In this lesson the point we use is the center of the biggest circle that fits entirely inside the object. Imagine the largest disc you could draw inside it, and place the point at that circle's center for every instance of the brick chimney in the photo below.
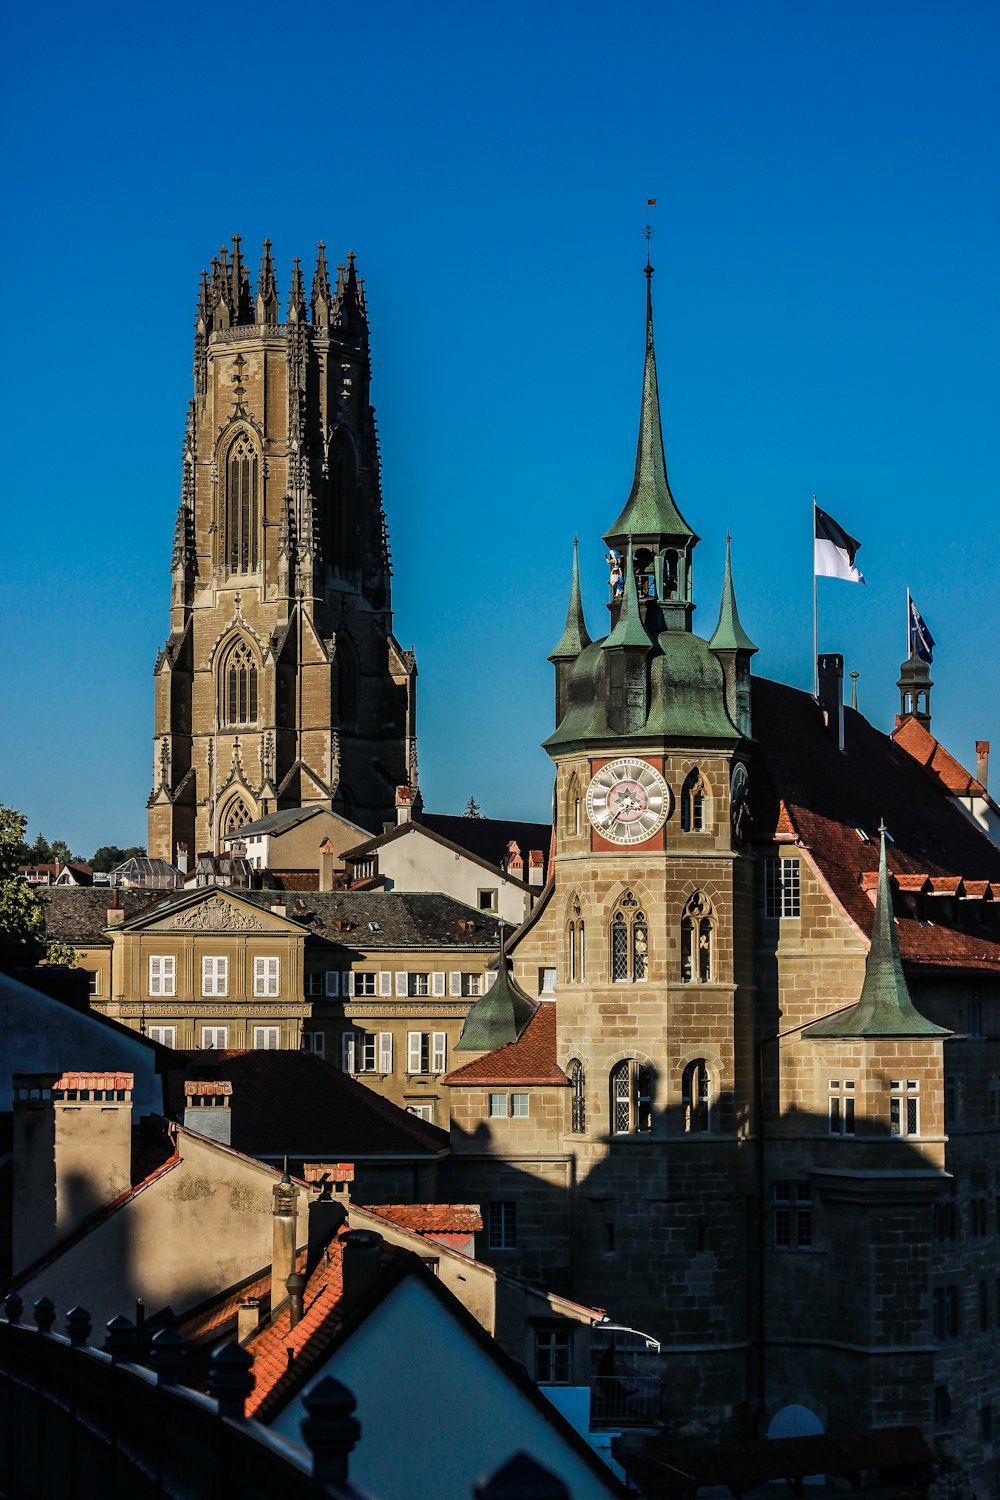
(831, 694)
(115, 914)
(207, 1109)
(181, 860)
(279, 908)
(72, 1154)
(983, 762)
(536, 867)
(404, 805)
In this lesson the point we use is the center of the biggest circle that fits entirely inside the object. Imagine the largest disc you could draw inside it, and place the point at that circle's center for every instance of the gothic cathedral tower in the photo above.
(652, 910)
(281, 683)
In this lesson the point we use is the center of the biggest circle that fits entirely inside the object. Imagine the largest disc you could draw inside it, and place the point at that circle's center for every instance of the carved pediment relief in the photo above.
(213, 915)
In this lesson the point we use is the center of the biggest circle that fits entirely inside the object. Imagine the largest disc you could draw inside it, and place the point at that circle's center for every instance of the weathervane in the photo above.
(648, 232)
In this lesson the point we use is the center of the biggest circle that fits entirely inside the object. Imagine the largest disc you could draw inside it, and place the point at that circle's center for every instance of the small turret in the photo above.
(297, 295)
(220, 292)
(628, 650)
(239, 286)
(267, 291)
(915, 685)
(321, 301)
(350, 306)
(573, 639)
(734, 648)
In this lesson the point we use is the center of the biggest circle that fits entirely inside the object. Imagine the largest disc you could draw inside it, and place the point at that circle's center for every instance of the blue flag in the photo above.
(921, 640)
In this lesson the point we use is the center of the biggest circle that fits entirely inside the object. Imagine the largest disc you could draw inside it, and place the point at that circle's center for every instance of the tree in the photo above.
(41, 852)
(22, 915)
(109, 857)
(473, 810)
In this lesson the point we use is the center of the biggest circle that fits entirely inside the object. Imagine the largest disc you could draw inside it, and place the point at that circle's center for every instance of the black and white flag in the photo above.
(834, 550)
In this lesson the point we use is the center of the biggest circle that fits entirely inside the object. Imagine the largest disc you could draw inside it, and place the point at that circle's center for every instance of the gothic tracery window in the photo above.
(697, 941)
(242, 548)
(694, 803)
(236, 816)
(695, 1095)
(631, 1097)
(578, 1104)
(239, 685)
(629, 939)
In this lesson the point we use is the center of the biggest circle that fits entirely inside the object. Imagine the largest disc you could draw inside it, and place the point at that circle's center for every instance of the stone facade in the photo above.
(281, 683)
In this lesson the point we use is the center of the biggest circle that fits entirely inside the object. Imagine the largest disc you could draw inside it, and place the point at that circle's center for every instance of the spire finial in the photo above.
(267, 291)
(296, 295)
(854, 687)
(729, 634)
(575, 636)
(321, 299)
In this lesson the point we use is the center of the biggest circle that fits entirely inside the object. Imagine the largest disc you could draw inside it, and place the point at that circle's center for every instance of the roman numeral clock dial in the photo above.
(627, 801)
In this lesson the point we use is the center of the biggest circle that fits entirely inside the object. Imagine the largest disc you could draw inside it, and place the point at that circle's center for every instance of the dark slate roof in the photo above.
(295, 1104)
(489, 837)
(498, 1017)
(78, 915)
(387, 919)
(805, 787)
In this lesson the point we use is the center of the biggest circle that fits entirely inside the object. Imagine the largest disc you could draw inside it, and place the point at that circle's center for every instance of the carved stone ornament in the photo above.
(214, 915)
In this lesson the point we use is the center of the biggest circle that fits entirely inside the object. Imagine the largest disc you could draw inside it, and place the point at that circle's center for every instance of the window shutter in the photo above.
(455, 984)
(274, 975)
(348, 983)
(385, 982)
(437, 985)
(154, 976)
(401, 984)
(207, 976)
(332, 982)
(319, 1043)
(413, 1050)
(489, 978)
(347, 1051)
(385, 1051)
(439, 1052)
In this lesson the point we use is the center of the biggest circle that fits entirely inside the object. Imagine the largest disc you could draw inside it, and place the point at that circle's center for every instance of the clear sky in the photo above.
(826, 314)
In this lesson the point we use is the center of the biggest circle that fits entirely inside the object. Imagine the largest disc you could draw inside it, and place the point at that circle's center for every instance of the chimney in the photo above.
(207, 1109)
(404, 805)
(536, 867)
(515, 862)
(181, 859)
(326, 863)
(295, 1286)
(831, 694)
(247, 1319)
(983, 762)
(328, 1212)
(279, 908)
(115, 914)
(72, 1154)
(282, 1233)
(360, 1265)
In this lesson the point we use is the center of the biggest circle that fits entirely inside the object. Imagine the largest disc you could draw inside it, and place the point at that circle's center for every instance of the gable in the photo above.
(213, 910)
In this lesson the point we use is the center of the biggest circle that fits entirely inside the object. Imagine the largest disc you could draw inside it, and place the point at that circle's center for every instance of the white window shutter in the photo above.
(489, 978)
(455, 984)
(347, 1051)
(385, 1051)
(401, 984)
(437, 985)
(349, 983)
(439, 1051)
(385, 982)
(413, 1051)
(332, 982)
(154, 976)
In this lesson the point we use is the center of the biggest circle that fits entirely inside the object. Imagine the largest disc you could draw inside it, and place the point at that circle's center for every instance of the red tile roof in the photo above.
(928, 752)
(432, 1218)
(826, 795)
(211, 1318)
(531, 1059)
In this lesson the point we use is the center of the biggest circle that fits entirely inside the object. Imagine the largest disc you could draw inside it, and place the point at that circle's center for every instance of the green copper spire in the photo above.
(650, 509)
(499, 1017)
(575, 636)
(629, 630)
(885, 1007)
(729, 633)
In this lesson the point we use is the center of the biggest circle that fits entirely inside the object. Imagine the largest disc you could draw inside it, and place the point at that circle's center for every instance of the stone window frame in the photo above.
(696, 802)
(696, 1117)
(240, 516)
(904, 1108)
(631, 1081)
(782, 887)
(501, 1224)
(553, 1355)
(214, 975)
(698, 928)
(793, 1215)
(628, 931)
(842, 1097)
(163, 981)
(576, 1073)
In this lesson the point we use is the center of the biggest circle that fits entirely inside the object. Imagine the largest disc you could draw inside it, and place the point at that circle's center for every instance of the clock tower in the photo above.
(651, 916)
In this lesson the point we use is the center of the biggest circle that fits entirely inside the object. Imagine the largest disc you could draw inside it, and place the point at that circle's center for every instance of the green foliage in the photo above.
(22, 915)
(41, 852)
(109, 857)
(473, 810)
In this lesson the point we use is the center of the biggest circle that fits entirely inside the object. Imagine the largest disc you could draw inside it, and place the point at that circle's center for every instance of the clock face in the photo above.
(739, 803)
(627, 801)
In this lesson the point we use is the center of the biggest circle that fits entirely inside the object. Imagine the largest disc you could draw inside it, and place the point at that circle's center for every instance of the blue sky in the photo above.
(826, 314)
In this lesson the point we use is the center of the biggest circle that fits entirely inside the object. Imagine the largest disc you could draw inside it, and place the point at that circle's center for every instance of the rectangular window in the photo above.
(366, 1052)
(215, 1037)
(417, 984)
(426, 1051)
(488, 900)
(315, 986)
(904, 1107)
(331, 983)
(162, 972)
(314, 1042)
(841, 1106)
(546, 981)
(793, 1216)
(498, 1107)
(519, 1106)
(92, 979)
(266, 976)
(347, 1052)
(267, 1038)
(422, 1112)
(215, 976)
(503, 1226)
(471, 985)
(166, 1035)
(781, 888)
(553, 1356)
(364, 982)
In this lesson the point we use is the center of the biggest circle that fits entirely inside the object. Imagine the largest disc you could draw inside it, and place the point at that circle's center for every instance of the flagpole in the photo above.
(815, 612)
(906, 654)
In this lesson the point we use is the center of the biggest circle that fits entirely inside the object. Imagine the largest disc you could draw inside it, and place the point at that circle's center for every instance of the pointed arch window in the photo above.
(671, 573)
(572, 953)
(629, 942)
(697, 941)
(242, 506)
(236, 816)
(631, 1097)
(696, 1096)
(578, 1102)
(695, 803)
(581, 954)
(239, 685)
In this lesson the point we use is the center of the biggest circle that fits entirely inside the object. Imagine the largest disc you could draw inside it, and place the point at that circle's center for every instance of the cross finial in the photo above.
(648, 233)
(882, 828)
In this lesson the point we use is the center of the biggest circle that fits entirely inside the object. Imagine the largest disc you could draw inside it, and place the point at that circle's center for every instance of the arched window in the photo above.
(581, 957)
(629, 940)
(695, 1096)
(694, 803)
(697, 941)
(631, 1097)
(236, 816)
(574, 805)
(242, 550)
(578, 1103)
(572, 953)
(239, 685)
(671, 572)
